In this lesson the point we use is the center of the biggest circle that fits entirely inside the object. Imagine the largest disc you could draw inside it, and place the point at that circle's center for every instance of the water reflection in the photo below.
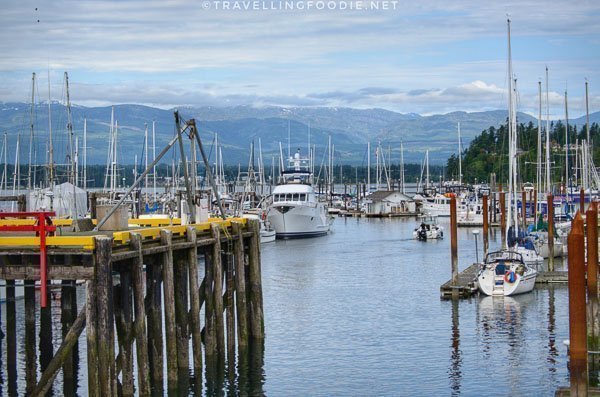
(455, 371)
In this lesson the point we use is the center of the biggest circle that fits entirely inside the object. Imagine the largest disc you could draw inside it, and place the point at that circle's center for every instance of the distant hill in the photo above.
(237, 127)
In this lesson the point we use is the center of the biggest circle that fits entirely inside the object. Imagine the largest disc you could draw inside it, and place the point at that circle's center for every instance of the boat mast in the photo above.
(4, 182)
(368, 167)
(567, 173)
(548, 184)
(31, 123)
(459, 158)
(70, 131)
(539, 142)
(50, 146)
(511, 138)
(84, 154)
(153, 160)
(146, 154)
(402, 166)
(587, 114)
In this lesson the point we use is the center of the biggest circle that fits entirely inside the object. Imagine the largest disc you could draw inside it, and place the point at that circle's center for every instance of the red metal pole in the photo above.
(485, 225)
(577, 309)
(453, 240)
(43, 274)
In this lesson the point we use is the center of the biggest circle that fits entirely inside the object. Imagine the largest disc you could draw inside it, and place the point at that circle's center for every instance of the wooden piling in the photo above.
(105, 317)
(550, 199)
(486, 227)
(166, 237)
(257, 325)
(453, 240)
(577, 311)
(11, 338)
(65, 349)
(229, 310)
(92, 339)
(180, 277)
(154, 314)
(124, 314)
(68, 303)
(194, 303)
(210, 337)
(582, 200)
(218, 288)
(139, 327)
(240, 287)
(503, 217)
(30, 351)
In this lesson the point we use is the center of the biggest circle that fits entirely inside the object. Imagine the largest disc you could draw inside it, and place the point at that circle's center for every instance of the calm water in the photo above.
(358, 313)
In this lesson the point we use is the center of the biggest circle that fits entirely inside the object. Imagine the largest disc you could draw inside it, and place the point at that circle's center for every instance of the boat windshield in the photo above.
(500, 256)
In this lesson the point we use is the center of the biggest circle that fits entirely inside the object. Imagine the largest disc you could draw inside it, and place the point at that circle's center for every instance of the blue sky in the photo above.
(425, 57)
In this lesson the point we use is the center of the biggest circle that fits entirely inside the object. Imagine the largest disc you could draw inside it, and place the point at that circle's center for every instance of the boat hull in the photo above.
(298, 221)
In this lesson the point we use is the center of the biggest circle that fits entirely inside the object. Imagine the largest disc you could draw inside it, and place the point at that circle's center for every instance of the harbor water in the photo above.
(358, 313)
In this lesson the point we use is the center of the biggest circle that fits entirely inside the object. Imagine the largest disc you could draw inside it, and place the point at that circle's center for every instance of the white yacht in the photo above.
(295, 211)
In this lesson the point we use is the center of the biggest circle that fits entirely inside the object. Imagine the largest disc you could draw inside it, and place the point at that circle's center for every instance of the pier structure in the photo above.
(149, 286)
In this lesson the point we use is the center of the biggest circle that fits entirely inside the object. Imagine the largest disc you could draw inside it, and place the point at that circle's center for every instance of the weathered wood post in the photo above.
(124, 316)
(550, 200)
(195, 303)
(229, 310)
(105, 318)
(30, 351)
(11, 338)
(218, 288)
(68, 303)
(180, 277)
(166, 237)
(577, 312)
(92, 336)
(210, 337)
(503, 217)
(257, 325)
(240, 287)
(582, 200)
(139, 327)
(454, 243)
(154, 313)
(93, 205)
(486, 227)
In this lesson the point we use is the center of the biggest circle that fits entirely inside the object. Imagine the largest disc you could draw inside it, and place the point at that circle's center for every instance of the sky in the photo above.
(424, 56)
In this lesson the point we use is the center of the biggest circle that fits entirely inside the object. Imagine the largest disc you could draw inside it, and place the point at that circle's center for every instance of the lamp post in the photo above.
(476, 234)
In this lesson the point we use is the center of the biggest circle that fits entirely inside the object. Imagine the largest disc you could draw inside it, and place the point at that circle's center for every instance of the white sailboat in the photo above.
(295, 211)
(508, 272)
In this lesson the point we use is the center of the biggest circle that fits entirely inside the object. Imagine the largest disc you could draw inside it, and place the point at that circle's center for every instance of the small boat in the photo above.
(428, 229)
(267, 232)
(505, 273)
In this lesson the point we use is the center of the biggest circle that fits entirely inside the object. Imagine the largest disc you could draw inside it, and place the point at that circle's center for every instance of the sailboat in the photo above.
(507, 272)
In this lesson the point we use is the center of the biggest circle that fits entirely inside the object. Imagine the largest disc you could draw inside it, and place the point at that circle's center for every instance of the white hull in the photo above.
(267, 235)
(435, 209)
(428, 234)
(298, 220)
(506, 278)
(470, 220)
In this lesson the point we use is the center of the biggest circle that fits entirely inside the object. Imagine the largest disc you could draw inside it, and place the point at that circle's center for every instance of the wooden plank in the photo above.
(55, 272)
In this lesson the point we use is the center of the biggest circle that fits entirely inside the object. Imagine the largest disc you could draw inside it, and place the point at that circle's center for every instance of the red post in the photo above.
(577, 309)
(592, 249)
(550, 232)
(453, 240)
(581, 200)
(485, 225)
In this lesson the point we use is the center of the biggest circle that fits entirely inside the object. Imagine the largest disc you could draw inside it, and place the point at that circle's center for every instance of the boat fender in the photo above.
(264, 215)
(510, 277)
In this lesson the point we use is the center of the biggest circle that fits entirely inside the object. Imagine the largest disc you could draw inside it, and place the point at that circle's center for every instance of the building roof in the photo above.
(381, 195)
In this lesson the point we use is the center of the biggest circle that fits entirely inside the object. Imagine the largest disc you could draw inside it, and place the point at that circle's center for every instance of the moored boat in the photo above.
(505, 273)
(428, 229)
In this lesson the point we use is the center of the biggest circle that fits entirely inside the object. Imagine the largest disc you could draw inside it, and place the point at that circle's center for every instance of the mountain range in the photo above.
(236, 127)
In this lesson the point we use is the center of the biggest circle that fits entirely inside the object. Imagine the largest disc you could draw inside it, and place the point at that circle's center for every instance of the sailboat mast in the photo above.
(566, 147)
(153, 160)
(402, 166)
(459, 158)
(511, 154)
(587, 114)
(548, 183)
(146, 154)
(539, 142)
(84, 154)
(31, 123)
(369, 166)
(50, 147)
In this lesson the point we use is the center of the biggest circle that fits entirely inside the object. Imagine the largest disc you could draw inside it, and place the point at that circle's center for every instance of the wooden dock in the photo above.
(148, 284)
